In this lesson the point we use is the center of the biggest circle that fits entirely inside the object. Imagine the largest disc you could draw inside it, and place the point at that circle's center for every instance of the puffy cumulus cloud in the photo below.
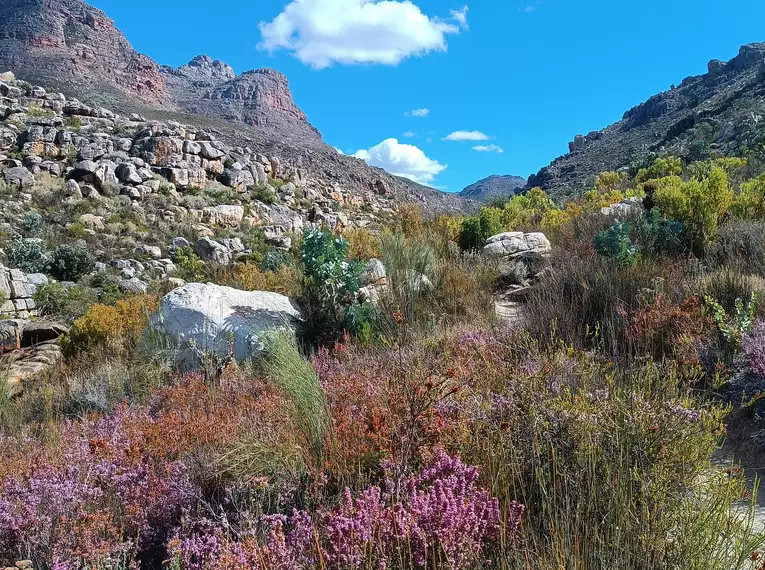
(404, 160)
(466, 136)
(323, 32)
(418, 113)
(489, 148)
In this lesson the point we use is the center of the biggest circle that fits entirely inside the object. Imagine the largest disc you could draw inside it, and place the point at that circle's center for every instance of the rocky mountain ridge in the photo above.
(494, 186)
(70, 47)
(719, 112)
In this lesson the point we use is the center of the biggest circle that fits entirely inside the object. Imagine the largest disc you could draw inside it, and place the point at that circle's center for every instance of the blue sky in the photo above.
(526, 76)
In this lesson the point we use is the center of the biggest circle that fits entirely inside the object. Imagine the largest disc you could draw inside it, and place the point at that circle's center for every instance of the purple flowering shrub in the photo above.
(100, 500)
(438, 517)
(754, 348)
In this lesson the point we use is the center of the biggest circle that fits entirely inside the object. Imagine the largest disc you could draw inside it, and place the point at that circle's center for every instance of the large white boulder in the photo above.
(203, 319)
(518, 244)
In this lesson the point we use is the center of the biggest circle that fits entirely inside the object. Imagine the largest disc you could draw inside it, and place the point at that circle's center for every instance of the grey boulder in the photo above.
(206, 319)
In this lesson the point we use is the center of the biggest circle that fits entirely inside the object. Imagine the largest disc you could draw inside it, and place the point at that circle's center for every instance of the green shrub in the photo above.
(274, 259)
(332, 282)
(32, 225)
(265, 194)
(615, 243)
(67, 303)
(732, 327)
(190, 267)
(27, 254)
(70, 262)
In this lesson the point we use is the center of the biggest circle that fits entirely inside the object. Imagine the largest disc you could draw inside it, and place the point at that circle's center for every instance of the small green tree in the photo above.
(70, 262)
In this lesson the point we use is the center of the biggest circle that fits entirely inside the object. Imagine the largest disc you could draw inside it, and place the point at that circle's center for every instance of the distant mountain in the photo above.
(74, 48)
(495, 186)
(719, 113)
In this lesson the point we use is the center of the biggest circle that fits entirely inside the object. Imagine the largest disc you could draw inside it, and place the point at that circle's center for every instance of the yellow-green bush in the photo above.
(661, 168)
(750, 201)
(699, 204)
(111, 328)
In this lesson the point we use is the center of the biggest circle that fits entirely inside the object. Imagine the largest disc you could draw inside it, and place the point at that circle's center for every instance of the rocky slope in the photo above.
(494, 186)
(74, 47)
(720, 112)
(71, 47)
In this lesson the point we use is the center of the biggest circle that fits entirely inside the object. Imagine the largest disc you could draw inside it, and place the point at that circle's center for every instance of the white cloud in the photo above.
(323, 32)
(402, 160)
(466, 136)
(418, 112)
(460, 16)
(338, 150)
(489, 148)
(409, 134)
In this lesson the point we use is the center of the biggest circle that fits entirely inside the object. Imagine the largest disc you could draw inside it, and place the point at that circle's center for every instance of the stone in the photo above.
(259, 174)
(105, 174)
(38, 279)
(518, 244)
(208, 150)
(10, 335)
(89, 191)
(224, 215)
(93, 222)
(207, 319)
(624, 209)
(128, 174)
(280, 242)
(234, 245)
(133, 285)
(148, 251)
(73, 189)
(237, 179)
(374, 272)
(19, 177)
(211, 250)
(179, 243)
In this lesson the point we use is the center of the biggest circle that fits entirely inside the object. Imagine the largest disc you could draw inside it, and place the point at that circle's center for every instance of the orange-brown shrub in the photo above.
(250, 277)
(113, 328)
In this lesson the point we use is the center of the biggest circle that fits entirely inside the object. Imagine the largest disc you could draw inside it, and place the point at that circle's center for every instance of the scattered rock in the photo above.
(211, 319)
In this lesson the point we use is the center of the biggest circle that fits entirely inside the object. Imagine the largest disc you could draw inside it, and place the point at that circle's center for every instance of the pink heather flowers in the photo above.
(754, 348)
(93, 506)
(437, 516)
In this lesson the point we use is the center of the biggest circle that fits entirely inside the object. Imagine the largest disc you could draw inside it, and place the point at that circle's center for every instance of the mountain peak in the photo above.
(493, 187)
(204, 67)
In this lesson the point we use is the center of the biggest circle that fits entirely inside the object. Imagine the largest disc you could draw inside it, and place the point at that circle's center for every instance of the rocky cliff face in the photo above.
(259, 98)
(720, 112)
(495, 186)
(76, 48)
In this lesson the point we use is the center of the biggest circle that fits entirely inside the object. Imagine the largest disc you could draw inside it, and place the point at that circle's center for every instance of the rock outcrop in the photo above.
(206, 319)
(719, 112)
(70, 47)
(515, 245)
(73, 46)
